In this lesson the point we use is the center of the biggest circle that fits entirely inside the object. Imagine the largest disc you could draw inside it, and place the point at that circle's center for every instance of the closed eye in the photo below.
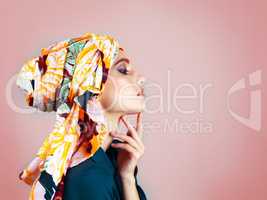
(123, 69)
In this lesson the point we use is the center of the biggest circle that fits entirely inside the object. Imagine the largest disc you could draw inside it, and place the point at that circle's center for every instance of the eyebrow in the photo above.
(122, 60)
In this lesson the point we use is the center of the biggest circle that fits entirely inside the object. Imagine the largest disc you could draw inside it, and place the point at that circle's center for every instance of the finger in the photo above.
(139, 124)
(127, 139)
(130, 128)
(132, 131)
(126, 147)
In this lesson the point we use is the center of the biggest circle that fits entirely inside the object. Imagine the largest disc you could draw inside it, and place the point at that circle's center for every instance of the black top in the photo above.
(97, 178)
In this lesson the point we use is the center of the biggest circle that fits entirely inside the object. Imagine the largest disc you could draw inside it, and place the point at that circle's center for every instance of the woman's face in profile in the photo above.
(123, 91)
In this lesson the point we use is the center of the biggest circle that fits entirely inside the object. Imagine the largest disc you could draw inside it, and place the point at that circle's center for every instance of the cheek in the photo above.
(125, 88)
(113, 90)
(107, 95)
(117, 95)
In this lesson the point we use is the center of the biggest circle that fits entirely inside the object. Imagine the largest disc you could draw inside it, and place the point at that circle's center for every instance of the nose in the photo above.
(141, 81)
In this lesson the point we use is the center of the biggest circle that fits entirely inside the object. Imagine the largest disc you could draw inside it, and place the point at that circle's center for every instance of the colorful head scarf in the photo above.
(67, 78)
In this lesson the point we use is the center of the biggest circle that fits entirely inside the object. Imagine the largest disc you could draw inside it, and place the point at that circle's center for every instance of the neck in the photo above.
(112, 119)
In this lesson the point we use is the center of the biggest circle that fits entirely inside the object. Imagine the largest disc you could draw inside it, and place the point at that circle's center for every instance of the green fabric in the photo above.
(96, 178)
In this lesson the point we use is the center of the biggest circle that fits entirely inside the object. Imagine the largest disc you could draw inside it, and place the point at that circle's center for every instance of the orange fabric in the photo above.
(67, 78)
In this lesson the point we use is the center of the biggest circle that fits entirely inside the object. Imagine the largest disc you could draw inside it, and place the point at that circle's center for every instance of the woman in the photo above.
(92, 85)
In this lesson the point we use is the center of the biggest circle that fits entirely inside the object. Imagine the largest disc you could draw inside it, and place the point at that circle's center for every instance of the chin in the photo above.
(131, 106)
(138, 107)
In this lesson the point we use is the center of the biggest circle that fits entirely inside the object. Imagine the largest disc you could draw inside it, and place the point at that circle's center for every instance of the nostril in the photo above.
(141, 81)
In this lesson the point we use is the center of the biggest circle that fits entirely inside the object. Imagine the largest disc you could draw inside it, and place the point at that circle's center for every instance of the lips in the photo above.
(141, 93)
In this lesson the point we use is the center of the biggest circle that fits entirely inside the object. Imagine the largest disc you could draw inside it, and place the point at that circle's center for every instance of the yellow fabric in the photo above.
(67, 78)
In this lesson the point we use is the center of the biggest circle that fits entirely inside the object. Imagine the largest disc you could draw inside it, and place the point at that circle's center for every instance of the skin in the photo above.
(122, 96)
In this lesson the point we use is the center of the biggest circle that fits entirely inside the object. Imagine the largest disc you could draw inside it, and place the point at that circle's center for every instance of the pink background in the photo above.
(199, 42)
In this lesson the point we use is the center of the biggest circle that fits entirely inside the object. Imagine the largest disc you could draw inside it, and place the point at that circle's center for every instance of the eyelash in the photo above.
(122, 69)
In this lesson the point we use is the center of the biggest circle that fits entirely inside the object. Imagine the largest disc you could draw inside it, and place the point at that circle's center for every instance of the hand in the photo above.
(131, 150)
(29, 174)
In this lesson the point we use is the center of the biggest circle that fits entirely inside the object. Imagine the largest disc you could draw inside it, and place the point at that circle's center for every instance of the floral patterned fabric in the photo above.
(66, 78)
